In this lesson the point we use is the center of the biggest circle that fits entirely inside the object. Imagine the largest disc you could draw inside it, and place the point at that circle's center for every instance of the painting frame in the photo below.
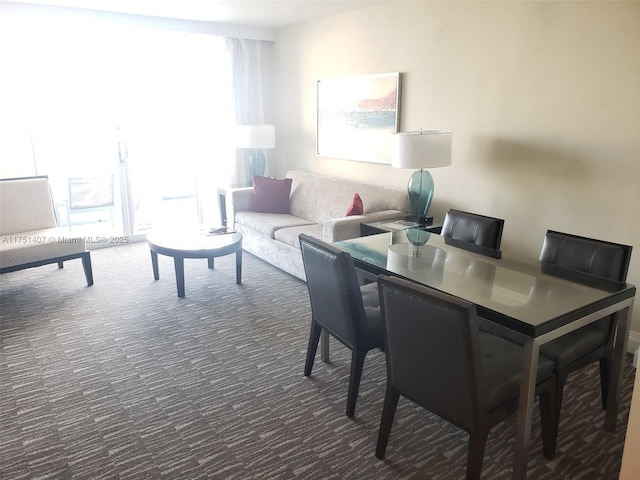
(356, 116)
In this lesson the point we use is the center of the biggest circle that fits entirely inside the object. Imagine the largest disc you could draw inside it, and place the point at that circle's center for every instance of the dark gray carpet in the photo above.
(125, 380)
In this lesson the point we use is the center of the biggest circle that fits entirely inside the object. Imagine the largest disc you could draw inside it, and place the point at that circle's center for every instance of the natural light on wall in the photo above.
(151, 108)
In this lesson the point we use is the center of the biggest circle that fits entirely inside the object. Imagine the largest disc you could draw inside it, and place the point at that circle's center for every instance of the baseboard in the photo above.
(633, 345)
(634, 341)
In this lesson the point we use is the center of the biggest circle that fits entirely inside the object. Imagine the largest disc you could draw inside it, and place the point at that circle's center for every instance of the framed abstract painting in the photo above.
(357, 115)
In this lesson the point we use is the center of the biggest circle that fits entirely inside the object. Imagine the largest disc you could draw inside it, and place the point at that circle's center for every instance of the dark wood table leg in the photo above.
(178, 263)
(210, 263)
(239, 267)
(154, 264)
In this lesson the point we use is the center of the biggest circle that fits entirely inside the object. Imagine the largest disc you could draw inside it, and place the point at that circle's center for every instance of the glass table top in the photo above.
(514, 287)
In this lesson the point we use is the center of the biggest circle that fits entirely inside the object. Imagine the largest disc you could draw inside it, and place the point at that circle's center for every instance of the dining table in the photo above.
(519, 297)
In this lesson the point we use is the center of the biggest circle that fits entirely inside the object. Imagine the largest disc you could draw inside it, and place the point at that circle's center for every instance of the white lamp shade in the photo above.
(421, 149)
(256, 136)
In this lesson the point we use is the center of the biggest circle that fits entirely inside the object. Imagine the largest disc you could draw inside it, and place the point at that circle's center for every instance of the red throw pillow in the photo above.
(356, 207)
(271, 195)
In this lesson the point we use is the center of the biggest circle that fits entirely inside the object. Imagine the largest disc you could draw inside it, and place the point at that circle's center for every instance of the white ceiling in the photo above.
(271, 14)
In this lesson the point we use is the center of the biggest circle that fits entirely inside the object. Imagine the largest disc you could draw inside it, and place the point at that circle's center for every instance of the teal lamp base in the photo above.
(420, 189)
(257, 164)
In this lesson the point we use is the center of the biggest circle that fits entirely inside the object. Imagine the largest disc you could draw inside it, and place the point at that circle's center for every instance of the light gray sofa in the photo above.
(317, 207)
(29, 235)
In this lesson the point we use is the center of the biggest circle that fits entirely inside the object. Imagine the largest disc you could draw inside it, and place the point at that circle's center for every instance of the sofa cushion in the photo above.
(267, 223)
(271, 195)
(290, 235)
(356, 207)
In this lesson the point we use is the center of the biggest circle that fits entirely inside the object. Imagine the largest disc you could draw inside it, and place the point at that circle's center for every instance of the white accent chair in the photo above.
(29, 233)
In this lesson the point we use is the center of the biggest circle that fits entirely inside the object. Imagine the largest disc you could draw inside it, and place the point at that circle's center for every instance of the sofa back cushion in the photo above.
(322, 197)
(25, 205)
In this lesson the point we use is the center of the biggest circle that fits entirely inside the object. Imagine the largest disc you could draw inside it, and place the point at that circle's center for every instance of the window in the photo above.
(90, 98)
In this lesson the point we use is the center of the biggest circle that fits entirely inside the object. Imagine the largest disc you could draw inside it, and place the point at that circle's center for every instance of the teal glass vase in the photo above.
(257, 164)
(420, 190)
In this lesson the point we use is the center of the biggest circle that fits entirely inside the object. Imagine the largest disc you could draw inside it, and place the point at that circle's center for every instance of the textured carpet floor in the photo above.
(126, 380)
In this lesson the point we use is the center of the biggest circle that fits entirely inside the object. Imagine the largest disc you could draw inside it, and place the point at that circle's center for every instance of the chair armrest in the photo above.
(238, 200)
(344, 228)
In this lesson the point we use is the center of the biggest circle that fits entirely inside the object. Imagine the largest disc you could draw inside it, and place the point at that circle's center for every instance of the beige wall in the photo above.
(543, 99)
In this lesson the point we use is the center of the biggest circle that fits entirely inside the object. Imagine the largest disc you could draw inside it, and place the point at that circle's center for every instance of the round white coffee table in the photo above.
(194, 243)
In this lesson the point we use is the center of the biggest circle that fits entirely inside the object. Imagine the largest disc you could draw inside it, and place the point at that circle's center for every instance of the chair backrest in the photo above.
(587, 255)
(26, 204)
(334, 292)
(477, 233)
(93, 192)
(431, 345)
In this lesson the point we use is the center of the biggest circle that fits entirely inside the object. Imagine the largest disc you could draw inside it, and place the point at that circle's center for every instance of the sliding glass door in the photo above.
(80, 158)
(132, 125)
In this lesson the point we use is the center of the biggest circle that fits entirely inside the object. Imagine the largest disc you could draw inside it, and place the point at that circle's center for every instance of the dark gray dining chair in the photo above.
(438, 358)
(340, 307)
(473, 232)
(572, 254)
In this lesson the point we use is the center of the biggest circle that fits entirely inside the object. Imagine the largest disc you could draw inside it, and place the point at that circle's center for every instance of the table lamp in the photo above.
(256, 137)
(421, 149)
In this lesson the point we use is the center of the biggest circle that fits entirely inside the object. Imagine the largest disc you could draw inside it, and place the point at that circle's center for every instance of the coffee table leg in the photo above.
(210, 262)
(178, 263)
(239, 267)
(154, 264)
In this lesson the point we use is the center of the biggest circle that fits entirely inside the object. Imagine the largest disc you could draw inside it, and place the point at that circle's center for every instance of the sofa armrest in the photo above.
(344, 228)
(238, 200)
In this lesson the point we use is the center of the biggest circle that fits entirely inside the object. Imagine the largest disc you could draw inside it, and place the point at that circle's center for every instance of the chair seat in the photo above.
(370, 296)
(572, 346)
(502, 368)
(374, 326)
(371, 302)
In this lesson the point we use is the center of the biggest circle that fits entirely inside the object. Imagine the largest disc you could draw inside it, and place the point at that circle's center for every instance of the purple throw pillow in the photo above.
(271, 195)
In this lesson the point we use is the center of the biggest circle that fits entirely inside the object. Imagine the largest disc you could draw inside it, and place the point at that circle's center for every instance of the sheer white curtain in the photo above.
(247, 93)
